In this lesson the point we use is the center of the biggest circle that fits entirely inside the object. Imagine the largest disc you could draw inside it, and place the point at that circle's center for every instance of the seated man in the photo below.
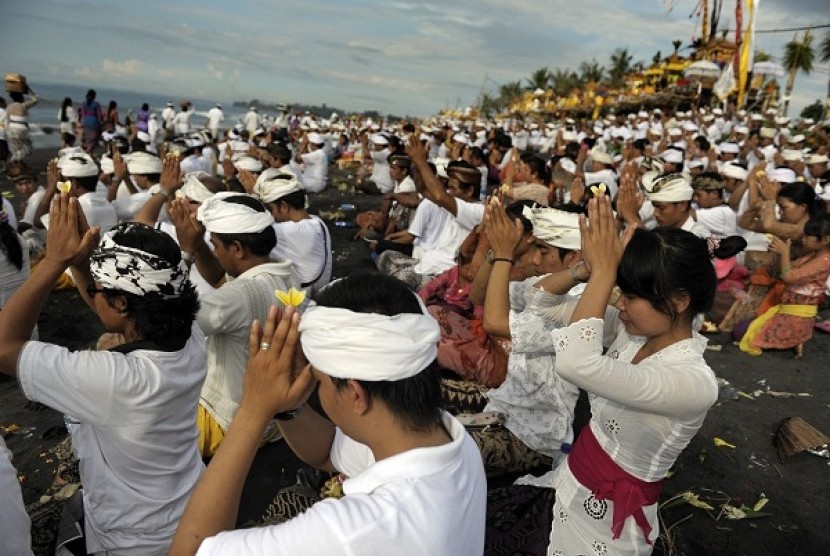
(671, 197)
(245, 277)
(712, 211)
(441, 222)
(302, 238)
(31, 230)
(415, 481)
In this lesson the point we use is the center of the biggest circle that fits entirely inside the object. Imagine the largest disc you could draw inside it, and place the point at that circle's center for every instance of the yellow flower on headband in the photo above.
(598, 190)
(64, 187)
(292, 297)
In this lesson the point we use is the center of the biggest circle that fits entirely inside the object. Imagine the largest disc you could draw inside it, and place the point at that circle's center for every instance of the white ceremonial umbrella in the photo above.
(768, 68)
(702, 69)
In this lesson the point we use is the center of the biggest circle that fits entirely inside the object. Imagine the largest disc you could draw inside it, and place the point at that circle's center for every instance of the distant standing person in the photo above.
(181, 122)
(142, 119)
(66, 116)
(17, 129)
(215, 118)
(167, 117)
(110, 122)
(91, 116)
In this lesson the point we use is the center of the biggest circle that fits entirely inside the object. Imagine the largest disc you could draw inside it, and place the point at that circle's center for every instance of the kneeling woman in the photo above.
(135, 405)
(649, 393)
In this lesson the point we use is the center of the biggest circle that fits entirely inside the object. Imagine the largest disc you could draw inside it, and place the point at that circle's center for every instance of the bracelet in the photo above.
(503, 259)
(574, 276)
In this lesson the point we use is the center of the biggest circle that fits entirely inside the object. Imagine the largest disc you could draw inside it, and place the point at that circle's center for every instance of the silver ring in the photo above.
(264, 345)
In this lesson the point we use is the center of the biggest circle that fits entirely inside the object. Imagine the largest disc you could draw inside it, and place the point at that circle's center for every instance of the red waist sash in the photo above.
(597, 472)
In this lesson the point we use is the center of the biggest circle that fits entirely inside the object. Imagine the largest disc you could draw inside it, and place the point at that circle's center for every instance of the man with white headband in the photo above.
(538, 407)
(242, 235)
(132, 406)
(79, 174)
(315, 162)
(376, 146)
(711, 209)
(140, 172)
(671, 196)
(302, 238)
(196, 188)
(415, 483)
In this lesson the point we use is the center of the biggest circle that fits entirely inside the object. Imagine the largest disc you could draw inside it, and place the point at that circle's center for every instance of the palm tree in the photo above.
(563, 81)
(798, 56)
(761, 56)
(591, 71)
(656, 58)
(824, 55)
(676, 44)
(620, 66)
(509, 93)
(539, 79)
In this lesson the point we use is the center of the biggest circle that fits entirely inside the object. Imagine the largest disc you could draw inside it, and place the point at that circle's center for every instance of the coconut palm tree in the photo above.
(676, 44)
(539, 79)
(563, 81)
(591, 71)
(620, 66)
(656, 58)
(798, 56)
(509, 93)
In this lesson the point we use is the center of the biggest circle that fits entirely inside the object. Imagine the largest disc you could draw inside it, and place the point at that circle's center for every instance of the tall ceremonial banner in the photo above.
(747, 51)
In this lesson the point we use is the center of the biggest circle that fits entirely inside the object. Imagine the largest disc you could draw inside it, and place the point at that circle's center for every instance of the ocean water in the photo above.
(44, 120)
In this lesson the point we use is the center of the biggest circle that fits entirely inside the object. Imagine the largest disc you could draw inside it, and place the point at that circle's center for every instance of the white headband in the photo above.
(194, 189)
(275, 183)
(232, 218)
(368, 346)
(555, 227)
(131, 270)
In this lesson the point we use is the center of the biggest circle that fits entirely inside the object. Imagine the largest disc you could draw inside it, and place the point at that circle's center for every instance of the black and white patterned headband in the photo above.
(132, 270)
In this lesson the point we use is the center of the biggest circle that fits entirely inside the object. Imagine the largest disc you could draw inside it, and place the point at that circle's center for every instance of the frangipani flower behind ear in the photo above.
(293, 297)
(64, 187)
(598, 190)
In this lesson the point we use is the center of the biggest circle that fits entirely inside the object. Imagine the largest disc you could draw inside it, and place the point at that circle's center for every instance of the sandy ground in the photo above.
(797, 490)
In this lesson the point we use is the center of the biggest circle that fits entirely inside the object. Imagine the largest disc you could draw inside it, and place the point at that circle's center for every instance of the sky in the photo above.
(396, 56)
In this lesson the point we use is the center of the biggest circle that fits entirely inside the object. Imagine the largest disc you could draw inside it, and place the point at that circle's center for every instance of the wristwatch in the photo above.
(287, 415)
(574, 275)
(492, 259)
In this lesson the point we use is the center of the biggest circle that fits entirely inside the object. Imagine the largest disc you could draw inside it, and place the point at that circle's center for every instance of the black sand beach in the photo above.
(740, 473)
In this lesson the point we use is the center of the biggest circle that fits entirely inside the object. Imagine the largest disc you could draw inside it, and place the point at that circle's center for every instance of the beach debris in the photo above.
(726, 391)
(745, 395)
(795, 435)
(759, 505)
(8, 194)
(293, 297)
(743, 512)
(694, 500)
(714, 347)
(821, 451)
(721, 443)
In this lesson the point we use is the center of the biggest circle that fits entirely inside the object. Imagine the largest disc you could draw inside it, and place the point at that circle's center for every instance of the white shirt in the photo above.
(690, 225)
(537, 403)
(225, 317)
(316, 169)
(196, 278)
(31, 205)
(126, 209)
(215, 117)
(251, 121)
(606, 176)
(380, 171)
(167, 116)
(14, 521)
(4, 123)
(721, 220)
(137, 436)
(307, 245)
(439, 233)
(181, 122)
(8, 208)
(426, 501)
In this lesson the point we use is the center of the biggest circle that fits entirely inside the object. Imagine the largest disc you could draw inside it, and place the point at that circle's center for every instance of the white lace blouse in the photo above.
(643, 414)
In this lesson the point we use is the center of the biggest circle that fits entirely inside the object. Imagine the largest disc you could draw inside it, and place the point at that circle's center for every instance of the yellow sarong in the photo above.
(806, 311)
(211, 434)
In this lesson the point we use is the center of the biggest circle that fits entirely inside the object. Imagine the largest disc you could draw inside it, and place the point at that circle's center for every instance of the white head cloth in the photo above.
(249, 163)
(368, 346)
(143, 163)
(194, 189)
(673, 188)
(78, 166)
(135, 271)
(275, 183)
(781, 175)
(107, 165)
(232, 218)
(734, 171)
(555, 227)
